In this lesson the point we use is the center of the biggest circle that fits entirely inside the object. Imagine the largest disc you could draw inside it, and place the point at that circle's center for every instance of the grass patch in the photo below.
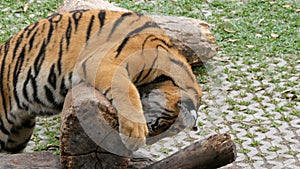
(13, 17)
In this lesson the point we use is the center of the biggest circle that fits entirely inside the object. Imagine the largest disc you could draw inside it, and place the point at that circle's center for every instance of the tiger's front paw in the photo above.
(133, 134)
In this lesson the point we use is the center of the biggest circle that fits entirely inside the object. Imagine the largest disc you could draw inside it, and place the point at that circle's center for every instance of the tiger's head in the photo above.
(168, 109)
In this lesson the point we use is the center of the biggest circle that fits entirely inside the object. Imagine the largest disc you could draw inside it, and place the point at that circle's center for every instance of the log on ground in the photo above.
(87, 121)
(44, 160)
(89, 138)
(214, 152)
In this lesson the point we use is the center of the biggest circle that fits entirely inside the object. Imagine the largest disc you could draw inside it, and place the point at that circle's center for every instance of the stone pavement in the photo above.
(259, 105)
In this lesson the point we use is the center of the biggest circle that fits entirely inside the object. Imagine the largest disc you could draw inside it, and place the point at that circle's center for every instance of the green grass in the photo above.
(13, 18)
(241, 28)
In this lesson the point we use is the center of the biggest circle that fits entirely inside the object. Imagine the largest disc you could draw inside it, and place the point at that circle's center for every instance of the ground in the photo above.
(251, 89)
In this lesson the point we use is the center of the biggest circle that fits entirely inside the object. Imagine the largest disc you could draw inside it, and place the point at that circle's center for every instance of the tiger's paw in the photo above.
(133, 134)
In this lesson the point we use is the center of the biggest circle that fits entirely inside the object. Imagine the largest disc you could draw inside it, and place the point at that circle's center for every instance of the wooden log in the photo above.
(206, 159)
(214, 152)
(88, 121)
(191, 36)
(89, 137)
(45, 160)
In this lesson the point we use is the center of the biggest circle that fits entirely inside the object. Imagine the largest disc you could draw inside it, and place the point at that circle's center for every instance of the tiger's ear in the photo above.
(188, 112)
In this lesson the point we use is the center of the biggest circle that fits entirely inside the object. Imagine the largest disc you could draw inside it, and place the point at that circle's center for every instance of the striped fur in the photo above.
(116, 52)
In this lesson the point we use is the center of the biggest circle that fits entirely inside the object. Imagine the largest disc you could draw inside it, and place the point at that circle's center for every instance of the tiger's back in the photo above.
(37, 64)
(26, 61)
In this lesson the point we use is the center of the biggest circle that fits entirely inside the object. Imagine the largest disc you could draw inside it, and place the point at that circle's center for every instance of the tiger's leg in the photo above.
(113, 81)
(132, 123)
(124, 96)
(20, 133)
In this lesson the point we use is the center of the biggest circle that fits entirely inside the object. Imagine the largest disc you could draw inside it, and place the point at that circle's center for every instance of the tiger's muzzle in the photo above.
(188, 113)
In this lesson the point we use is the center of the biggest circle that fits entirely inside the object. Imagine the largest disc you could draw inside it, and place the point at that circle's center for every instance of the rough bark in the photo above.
(87, 121)
(216, 151)
(192, 37)
(89, 135)
(45, 160)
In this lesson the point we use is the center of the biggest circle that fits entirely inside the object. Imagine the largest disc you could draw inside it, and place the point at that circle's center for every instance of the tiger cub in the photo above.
(116, 52)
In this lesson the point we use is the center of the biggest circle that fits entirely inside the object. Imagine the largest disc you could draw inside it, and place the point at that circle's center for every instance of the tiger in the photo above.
(118, 53)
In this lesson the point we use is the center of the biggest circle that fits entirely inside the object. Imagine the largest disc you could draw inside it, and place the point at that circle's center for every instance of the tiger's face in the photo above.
(167, 109)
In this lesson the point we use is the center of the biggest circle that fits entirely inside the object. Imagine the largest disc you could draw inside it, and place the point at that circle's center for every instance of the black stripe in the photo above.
(145, 41)
(55, 18)
(10, 140)
(29, 29)
(60, 55)
(17, 45)
(68, 34)
(24, 91)
(140, 75)
(160, 107)
(35, 92)
(70, 76)
(158, 123)
(84, 68)
(63, 89)
(77, 15)
(32, 39)
(49, 95)
(118, 22)
(52, 77)
(106, 91)
(127, 69)
(38, 62)
(159, 79)
(182, 65)
(89, 30)
(151, 68)
(10, 100)
(156, 39)
(50, 33)
(2, 82)
(101, 18)
(16, 73)
(163, 41)
(30, 80)
(134, 32)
